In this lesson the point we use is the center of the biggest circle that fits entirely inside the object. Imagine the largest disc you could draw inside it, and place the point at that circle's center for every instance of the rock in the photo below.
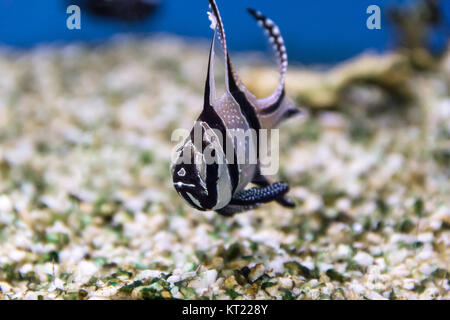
(256, 272)
(364, 259)
(230, 282)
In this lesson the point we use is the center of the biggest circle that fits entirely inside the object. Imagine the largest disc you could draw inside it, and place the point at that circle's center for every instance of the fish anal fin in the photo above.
(231, 209)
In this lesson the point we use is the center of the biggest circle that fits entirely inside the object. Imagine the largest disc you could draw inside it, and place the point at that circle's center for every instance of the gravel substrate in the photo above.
(87, 209)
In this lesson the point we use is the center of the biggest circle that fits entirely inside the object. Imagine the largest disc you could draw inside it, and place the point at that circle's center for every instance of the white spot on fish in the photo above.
(276, 31)
(213, 20)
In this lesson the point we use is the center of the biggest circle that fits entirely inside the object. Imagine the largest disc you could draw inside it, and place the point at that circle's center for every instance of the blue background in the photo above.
(320, 31)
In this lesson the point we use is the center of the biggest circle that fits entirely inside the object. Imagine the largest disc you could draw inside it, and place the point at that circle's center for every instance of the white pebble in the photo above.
(5, 203)
(364, 259)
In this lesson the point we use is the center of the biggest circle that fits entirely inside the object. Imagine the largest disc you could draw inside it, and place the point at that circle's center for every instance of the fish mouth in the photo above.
(189, 192)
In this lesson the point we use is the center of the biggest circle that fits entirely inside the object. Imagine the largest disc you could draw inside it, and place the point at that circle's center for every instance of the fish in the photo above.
(221, 185)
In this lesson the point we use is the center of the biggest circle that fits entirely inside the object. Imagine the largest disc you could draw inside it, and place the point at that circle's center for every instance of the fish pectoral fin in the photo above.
(281, 198)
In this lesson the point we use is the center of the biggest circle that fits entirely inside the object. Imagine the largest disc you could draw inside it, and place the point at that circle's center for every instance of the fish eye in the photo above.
(181, 172)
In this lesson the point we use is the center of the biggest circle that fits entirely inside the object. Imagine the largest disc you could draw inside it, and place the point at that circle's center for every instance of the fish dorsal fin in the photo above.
(231, 74)
(210, 85)
(276, 40)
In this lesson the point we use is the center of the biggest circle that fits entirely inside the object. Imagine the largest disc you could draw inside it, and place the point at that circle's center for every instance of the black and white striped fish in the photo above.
(220, 185)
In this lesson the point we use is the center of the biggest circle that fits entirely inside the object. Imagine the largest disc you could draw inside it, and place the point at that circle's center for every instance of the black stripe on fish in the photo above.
(212, 174)
(246, 107)
(274, 107)
(210, 116)
(212, 177)
(188, 199)
(207, 97)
